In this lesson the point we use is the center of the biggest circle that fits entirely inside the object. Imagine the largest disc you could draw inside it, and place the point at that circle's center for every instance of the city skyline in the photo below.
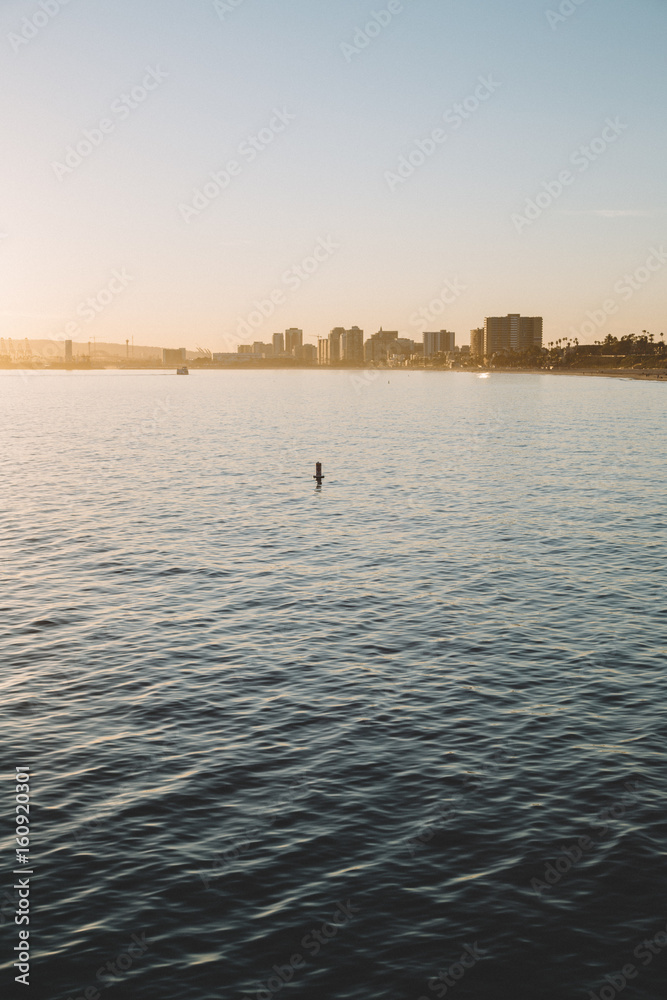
(512, 332)
(424, 165)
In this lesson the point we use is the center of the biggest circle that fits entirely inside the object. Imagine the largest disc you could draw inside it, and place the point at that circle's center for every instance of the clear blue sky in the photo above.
(329, 176)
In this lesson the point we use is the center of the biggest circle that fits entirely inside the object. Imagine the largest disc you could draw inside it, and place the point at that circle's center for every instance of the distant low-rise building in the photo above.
(262, 350)
(307, 352)
(173, 355)
(402, 347)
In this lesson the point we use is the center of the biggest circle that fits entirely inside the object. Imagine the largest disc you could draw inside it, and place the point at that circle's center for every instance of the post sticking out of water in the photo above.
(318, 473)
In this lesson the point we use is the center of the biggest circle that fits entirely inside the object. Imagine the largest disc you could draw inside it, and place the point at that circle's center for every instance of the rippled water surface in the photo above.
(334, 736)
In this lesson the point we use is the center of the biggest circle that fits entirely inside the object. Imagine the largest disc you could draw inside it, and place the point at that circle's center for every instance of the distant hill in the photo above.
(52, 350)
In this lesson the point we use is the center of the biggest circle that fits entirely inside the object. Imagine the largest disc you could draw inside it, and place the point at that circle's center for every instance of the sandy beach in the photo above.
(644, 374)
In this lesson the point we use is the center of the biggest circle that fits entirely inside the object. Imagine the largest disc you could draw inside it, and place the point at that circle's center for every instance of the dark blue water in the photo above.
(331, 744)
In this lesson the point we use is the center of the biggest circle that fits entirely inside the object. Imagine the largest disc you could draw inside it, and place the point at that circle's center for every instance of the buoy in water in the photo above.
(318, 473)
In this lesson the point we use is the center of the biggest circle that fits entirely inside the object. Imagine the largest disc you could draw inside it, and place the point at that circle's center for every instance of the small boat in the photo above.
(183, 370)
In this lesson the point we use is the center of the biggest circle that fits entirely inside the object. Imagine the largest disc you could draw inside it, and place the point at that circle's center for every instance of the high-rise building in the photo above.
(68, 351)
(293, 340)
(279, 343)
(334, 344)
(497, 335)
(439, 342)
(477, 341)
(531, 332)
(352, 346)
(512, 333)
(323, 351)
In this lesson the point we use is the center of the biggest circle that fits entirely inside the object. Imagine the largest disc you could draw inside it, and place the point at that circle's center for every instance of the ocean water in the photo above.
(335, 743)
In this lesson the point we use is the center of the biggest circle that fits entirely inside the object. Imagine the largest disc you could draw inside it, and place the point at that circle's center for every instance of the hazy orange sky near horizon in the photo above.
(214, 172)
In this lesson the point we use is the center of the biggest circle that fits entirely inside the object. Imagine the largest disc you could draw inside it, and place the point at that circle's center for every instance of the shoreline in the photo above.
(641, 374)
(638, 374)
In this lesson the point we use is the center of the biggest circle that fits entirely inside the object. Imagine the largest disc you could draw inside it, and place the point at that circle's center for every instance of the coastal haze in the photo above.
(179, 163)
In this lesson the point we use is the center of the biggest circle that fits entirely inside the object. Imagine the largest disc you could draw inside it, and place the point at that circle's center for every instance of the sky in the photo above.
(210, 172)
